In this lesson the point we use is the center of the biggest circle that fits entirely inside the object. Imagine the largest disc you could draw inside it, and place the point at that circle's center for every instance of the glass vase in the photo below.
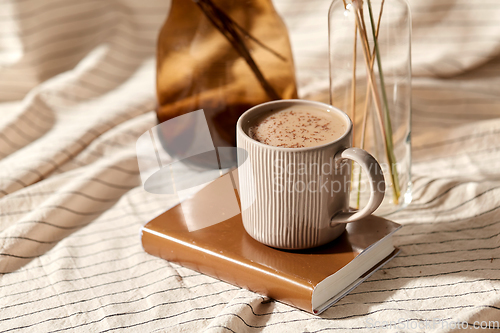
(370, 79)
(222, 56)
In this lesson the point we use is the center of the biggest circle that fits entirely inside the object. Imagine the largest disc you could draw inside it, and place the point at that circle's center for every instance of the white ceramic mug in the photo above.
(296, 198)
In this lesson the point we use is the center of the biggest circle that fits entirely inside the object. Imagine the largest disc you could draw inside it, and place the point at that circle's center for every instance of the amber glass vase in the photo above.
(222, 56)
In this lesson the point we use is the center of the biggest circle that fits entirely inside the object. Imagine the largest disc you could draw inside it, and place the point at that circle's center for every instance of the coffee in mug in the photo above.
(295, 174)
(298, 127)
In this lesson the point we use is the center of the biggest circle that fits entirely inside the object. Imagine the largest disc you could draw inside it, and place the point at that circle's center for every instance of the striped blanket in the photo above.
(77, 90)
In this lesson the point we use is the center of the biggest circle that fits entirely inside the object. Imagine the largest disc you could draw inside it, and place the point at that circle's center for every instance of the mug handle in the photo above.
(377, 184)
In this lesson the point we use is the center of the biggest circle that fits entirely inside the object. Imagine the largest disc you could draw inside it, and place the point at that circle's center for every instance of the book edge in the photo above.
(371, 247)
(355, 283)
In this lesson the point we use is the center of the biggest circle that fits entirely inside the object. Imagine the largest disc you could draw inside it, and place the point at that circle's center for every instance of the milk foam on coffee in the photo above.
(298, 127)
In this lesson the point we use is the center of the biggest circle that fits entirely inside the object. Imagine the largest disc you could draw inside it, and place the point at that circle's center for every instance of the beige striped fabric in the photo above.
(77, 90)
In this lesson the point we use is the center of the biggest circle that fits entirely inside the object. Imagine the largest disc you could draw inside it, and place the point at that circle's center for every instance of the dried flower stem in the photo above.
(353, 93)
(229, 29)
(353, 85)
(390, 145)
(353, 82)
(367, 102)
(386, 130)
(264, 46)
(367, 57)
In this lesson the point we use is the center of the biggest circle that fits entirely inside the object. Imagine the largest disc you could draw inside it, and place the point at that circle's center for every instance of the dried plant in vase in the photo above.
(386, 98)
(222, 56)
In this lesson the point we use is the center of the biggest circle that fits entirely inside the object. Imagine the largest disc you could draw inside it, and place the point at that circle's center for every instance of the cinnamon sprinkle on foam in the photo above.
(298, 128)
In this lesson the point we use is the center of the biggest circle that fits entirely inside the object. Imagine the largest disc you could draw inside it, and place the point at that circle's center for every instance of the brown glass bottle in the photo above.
(200, 67)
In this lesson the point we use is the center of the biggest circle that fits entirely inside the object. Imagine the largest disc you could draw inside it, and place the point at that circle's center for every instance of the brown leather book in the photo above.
(311, 280)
